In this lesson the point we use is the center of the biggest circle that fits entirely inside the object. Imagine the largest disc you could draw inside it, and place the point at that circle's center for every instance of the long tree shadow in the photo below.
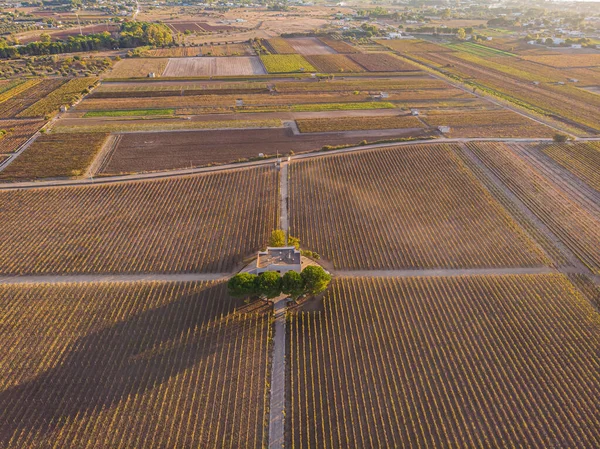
(128, 358)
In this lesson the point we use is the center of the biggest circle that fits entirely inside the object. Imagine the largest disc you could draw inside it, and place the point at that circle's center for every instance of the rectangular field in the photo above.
(487, 123)
(286, 64)
(317, 125)
(163, 151)
(334, 63)
(204, 223)
(213, 66)
(382, 62)
(310, 46)
(54, 156)
(138, 67)
(16, 101)
(408, 207)
(16, 133)
(577, 226)
(339, 45)
(121, 365)
(580, 158)
(460, 362)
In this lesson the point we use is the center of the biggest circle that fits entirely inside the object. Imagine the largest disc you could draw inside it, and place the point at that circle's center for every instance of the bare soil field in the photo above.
(122, 365)
(198, 27)
(408, 207)
(382, 62)
(170, 150)
(461, 362)
(138, 67)
(310, 46)
(213, 66)
(204, 223)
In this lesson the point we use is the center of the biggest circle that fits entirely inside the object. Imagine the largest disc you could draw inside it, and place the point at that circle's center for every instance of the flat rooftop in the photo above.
(278, 256)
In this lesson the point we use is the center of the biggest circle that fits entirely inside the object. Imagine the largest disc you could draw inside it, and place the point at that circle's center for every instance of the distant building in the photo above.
(281, 260)
(444, 129)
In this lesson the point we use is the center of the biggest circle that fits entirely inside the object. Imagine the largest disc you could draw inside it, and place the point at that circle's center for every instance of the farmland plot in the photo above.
(577, 226)
(122, 365)
(55, 155)
(409, 207)
(316, 125)
(459, 362)
(339, 45)
(213, 66)
(310, 46)
(35, 91)
(382, 62)
(581, 158)
(17, 132)
(194, 224)
(334, 63)
(286, 64)
(138, 67)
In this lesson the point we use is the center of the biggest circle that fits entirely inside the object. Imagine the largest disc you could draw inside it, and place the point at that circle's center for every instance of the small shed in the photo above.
(151, 75)
(443, 129)
(414, 112)
(239, 102)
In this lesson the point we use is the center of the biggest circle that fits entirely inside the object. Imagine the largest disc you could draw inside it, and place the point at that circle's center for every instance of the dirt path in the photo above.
(87, 278)
(446, 272)
(277, 395)
(283, 191)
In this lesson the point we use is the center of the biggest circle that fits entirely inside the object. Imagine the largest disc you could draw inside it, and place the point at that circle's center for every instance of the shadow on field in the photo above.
(125, 359)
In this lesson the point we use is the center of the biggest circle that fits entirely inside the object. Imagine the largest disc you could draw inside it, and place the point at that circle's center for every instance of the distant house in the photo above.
(281, 260)
(444, 129)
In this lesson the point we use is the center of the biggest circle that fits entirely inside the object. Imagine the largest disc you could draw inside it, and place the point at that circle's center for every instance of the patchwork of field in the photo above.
(316, 125)
(17, 132)
(577, 226)
(213, 66)
(566, 61)
(414, 206)
(197, 27)
(479, 361)
(278, 45)
(187, 224)
(25, 94)
(55, 155)
(164, 151)
(339, 45)
(174, 52)
(240, 49)
(546, 92)
(120, 365)
(487, 123)
(307, 46)
(382, 62)
(580, 158)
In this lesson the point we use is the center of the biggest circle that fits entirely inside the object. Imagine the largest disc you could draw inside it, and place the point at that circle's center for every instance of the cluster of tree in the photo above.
(132, 34)
(434, 30)
(271, 284)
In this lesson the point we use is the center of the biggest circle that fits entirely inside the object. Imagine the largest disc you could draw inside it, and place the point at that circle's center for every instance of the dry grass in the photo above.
(138, 67)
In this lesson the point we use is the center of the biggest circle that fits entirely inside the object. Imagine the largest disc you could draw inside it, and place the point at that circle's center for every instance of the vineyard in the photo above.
(414, 206)
(310, 46)
(286, 64)
(334, 63)
(214, 66)
(382, 62)
(577, 227)
(16, 133)
(187, 224)
(280, 45)
(339, 45)
(20, 101)
(316, 125)
(490, 361)
(582, 159)
(121, 365)
(487, 123)
(55, 155)
(64, 95)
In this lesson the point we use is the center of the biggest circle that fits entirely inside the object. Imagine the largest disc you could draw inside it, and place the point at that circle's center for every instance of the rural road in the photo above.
(235, 166)
(445, 272)
(277, 397)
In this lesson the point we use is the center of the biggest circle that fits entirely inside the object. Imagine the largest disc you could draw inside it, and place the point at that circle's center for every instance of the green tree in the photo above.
(559, 137)
(242, 285)
(277, 238)
(292, 284)
(461, 34)
(315, 278)
(45, 37)
(294, 241)
(268, 284)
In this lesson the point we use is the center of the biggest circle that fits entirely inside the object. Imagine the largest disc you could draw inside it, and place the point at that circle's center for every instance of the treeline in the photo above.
(131, 35)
